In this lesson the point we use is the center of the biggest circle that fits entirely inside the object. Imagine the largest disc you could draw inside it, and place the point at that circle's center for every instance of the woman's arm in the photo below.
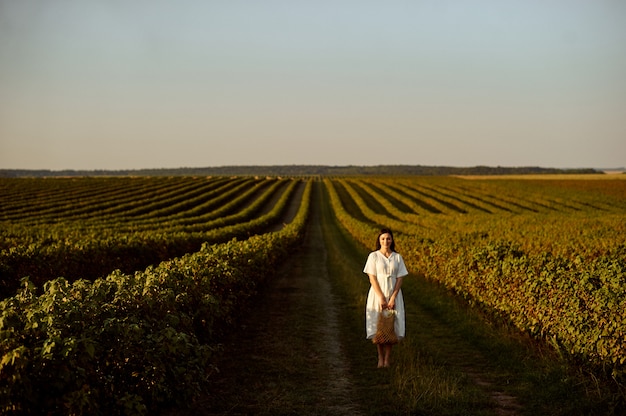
(378, 291)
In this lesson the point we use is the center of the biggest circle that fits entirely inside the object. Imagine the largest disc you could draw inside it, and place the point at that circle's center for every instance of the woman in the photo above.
(385, 269)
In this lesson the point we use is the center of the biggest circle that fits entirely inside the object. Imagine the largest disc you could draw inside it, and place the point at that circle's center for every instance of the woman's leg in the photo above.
(387, 354)
(381, 355)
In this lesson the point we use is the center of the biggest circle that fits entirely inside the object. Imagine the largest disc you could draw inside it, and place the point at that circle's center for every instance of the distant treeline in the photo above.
(300, 170)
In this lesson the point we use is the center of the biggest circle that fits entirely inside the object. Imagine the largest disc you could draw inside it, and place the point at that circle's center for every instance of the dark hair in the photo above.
(393, 240)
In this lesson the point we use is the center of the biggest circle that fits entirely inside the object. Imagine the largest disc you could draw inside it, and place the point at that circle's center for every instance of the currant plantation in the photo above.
(117, 290)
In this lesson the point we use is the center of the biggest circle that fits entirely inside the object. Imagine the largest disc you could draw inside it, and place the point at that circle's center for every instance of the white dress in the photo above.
(386, 270)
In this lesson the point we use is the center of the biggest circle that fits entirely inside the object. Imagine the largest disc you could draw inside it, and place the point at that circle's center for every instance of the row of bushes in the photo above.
(131, 344)
(97, 256)
(574, 298)
(577, 306)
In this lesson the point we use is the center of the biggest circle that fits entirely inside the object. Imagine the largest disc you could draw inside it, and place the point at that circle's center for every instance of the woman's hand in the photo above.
(383, 303)
(392, 303)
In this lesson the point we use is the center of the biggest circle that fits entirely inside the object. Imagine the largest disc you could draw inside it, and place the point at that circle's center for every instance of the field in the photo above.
(133, 282)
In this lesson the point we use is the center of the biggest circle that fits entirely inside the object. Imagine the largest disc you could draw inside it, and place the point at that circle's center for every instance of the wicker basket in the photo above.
(385, 329)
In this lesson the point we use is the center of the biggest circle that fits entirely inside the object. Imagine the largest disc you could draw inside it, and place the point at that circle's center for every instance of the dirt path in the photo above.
(286, 358)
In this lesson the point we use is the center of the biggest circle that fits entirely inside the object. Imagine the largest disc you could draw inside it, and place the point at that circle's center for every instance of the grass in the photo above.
(417, 383)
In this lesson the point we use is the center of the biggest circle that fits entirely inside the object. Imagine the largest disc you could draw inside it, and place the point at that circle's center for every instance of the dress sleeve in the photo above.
(402, 271)
(370, 265)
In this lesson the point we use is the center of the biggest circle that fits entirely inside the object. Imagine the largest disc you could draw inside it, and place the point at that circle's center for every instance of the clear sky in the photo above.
(129, 84)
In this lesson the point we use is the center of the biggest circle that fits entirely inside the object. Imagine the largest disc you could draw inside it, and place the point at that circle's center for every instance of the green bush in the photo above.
(131, 344)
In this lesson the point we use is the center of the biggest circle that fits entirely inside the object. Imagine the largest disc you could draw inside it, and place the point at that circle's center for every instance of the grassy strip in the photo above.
(416, 382)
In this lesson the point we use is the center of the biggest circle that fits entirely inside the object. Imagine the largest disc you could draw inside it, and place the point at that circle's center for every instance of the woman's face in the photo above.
(385, 240)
